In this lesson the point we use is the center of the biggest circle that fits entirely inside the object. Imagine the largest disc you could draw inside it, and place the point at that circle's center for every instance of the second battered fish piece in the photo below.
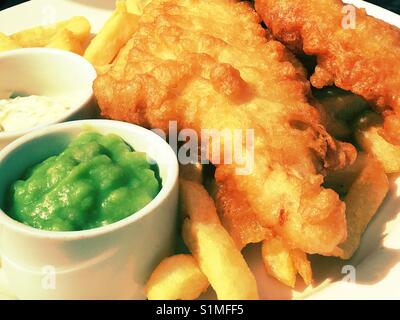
(363, 57)
(210, 65)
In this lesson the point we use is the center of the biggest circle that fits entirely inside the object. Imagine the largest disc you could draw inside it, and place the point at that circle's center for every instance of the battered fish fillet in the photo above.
(210, 65)
(239, 219)
(364, 60)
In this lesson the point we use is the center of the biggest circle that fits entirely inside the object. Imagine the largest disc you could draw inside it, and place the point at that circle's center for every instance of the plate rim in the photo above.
(372, 9)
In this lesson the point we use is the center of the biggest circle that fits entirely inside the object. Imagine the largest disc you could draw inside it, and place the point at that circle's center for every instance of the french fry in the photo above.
(80, 28)
(103, 69)
(136, 6)
(177, 278)
(302, 265)
(37, 36)
(278, 261)
(199, 209)
(215, 251)
(368, 137)
(283, 263)
(220, 261)
(362, 202)
(6, 43)
(42, 36)
(116, 32)
(66, 40)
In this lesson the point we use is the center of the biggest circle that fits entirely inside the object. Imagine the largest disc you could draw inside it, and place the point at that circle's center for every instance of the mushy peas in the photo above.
(96, 181)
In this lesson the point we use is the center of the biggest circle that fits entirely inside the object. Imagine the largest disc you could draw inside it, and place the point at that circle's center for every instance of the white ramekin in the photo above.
(111, 262)
(48, 72)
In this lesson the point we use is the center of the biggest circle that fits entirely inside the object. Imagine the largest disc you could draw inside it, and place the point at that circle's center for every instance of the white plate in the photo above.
(377, 262)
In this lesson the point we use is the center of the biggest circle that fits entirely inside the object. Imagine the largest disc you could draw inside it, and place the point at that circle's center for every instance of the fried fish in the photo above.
(355, 51)
(211, 65)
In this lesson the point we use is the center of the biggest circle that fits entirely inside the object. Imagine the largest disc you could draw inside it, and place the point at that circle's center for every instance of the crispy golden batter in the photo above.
(238, 218)
(210, 64)
(364, 60)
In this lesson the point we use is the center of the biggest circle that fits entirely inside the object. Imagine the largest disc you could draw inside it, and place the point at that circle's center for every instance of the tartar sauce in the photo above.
(28, 112)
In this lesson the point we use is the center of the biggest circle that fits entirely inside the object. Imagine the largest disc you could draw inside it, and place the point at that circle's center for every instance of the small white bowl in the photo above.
(111, 262)
(48, 72)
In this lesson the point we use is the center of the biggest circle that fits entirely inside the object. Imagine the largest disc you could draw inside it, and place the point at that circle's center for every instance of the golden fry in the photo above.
(6, 43)
(102, 69)
(278, 261)
(196, 203)
(37, 36)
(136, 6)
(215, 251)
(66, 40)
(80, 28)
(112, 37)
(177, 278)
(302, 265)
(220, 261)
(42, 36)
(362, 201)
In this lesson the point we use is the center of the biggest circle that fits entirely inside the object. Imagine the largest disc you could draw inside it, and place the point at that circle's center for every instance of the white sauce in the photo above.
(29, 112)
